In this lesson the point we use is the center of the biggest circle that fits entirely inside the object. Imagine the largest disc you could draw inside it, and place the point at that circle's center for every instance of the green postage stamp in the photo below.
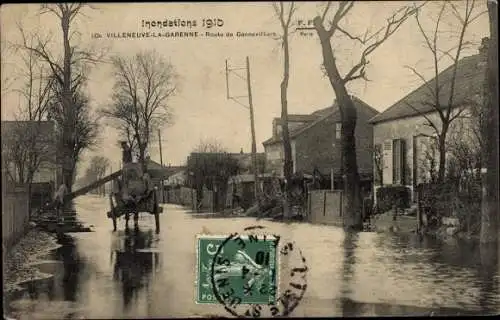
(239, 266)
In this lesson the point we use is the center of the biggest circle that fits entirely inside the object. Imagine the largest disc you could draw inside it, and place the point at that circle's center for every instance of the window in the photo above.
(338, 130)
(279, 130)
(394, 162)
(398, 161)
(378, 164)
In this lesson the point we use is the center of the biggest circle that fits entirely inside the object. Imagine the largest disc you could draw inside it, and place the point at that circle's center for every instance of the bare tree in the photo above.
(69, 76)
(143, 86)
(29, 141)
(442, 96)
(8, 77)
(97, 170)
(285, 18)
(84, 123)
(370, 41)
(378, 162)
(489, 210)
(210, 145)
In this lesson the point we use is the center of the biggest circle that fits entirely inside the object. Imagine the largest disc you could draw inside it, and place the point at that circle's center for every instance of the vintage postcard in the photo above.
(249, 159)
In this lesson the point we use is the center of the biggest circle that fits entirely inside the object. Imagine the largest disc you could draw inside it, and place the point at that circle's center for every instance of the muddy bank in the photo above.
(19, 263)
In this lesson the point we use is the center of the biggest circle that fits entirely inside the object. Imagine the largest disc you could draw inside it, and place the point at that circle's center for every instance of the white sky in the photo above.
(201, 108)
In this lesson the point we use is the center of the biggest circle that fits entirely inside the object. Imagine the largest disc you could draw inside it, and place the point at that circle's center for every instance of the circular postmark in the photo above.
(248, 268)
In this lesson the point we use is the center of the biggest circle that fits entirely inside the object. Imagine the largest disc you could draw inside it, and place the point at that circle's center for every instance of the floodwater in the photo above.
(139, 274)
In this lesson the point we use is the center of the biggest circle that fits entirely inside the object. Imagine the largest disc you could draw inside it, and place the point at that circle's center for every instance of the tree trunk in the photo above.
(142, 158)
(353, 219)
(442, 155)
(353, 215)
(489, 210)
(68, 125)
(287, 148)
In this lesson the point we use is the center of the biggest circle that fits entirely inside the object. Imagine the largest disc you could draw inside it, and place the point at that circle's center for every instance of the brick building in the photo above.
(315, 142)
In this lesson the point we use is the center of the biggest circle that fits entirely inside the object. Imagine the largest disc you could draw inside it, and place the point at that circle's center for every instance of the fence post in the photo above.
(419, 213)
(324, 203)
(341, 203)
(309, 213)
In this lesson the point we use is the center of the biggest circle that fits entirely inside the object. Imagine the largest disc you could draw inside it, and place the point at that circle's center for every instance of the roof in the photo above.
(298, 117)
(321, 115)
(243, 178)
(245, 159)
(163, 171)
(469, 81)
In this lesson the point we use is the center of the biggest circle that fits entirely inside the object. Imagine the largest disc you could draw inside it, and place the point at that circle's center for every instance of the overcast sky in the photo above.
(201, 109)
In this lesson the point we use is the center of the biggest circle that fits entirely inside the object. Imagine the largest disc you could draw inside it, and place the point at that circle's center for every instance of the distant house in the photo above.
(177, 176)
(245, 162)
(402, 131)
(17, 135)
(315, 142)
(158, 172)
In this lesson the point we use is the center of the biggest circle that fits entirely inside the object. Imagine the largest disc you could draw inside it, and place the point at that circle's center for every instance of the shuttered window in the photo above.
(398, 161)
(394, 161)
(387, 162)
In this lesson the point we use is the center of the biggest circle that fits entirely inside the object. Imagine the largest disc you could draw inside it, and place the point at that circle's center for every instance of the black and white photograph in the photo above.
(250, 159)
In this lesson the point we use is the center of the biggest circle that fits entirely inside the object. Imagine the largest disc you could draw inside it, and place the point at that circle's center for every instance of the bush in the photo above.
(390, 196)
(446, 200)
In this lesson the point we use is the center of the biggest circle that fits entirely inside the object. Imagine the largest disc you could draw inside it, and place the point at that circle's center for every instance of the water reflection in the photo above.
(134, 262)
(424, 275)
(349, 245)
(73, 265)
(489, 277)
(66, 279)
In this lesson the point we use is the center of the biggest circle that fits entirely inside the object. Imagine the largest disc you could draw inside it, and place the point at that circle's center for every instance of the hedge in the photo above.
(389, 196)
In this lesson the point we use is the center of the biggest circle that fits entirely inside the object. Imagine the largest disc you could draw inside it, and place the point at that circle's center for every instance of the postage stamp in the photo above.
(247, 266)
(244, 273)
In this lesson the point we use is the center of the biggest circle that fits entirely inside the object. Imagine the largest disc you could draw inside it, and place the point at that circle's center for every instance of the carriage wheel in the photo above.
(157, 222)
(127, 217)
(112, 211)
(136, 219)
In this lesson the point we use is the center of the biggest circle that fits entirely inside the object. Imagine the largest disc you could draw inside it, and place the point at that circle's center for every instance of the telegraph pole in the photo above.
(159, 141)
(252, 123)
(161, 163)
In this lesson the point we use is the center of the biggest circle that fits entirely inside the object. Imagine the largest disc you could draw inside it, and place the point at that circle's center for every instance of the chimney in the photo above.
(483, 51)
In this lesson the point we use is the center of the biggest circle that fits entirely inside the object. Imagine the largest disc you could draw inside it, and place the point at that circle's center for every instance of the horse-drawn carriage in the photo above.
(133, 194)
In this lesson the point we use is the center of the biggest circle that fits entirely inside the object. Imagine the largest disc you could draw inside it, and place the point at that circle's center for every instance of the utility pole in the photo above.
(252, 123)
(161, 163)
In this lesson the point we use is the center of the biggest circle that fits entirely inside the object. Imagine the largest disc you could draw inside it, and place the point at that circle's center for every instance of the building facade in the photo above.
(316, 143)
(404, 132)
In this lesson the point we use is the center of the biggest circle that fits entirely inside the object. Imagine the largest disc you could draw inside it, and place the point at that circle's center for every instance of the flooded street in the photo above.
(105, 274)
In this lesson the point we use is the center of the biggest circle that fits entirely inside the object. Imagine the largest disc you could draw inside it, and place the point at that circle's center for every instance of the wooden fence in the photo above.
(187, 197)
(325, 207)
(15, 214)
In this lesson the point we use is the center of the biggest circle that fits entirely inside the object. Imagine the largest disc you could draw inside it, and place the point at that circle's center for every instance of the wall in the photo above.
(186, 196)
(325, 207)
(318, 146)
(208, 200)
(15, 215)
(407, 128)
(274, 158)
